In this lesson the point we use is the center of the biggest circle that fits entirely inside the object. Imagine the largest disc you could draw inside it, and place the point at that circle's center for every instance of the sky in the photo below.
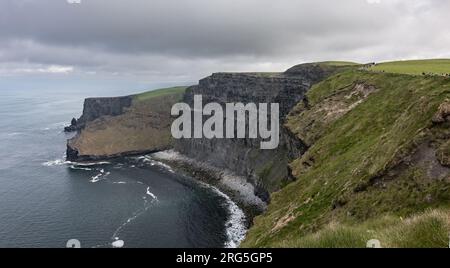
(175, 41)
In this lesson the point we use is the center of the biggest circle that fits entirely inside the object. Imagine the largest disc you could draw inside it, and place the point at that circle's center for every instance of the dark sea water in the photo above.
(45, 201)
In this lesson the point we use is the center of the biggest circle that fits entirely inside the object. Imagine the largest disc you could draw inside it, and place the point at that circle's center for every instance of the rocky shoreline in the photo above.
(237, 188)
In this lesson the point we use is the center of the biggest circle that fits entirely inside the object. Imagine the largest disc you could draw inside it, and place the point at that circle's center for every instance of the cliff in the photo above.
(111, 127)
(95, 108)
(363, 153)
(267, 170)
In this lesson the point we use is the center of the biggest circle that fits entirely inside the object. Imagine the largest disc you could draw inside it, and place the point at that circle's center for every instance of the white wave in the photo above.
(149, 159)
(87, 164)
(62, 161)
(118, 243)
(235, 226)
(119, 229)
(135, 215)
(143, 158)
(57, 162)
(151, 194)
(80, 168)
(96, 178)
(102, 175)
(163, 165)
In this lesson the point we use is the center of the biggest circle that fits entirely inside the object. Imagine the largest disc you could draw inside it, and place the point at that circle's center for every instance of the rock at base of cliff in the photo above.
(73, 126)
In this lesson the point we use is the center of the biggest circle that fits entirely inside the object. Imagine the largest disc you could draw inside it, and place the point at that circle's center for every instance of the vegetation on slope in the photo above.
(160, 92)
(426, 230)
(371, 156)
(415, 67)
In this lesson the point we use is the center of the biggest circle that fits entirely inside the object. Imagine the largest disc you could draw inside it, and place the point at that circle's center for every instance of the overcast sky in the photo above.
(184, 40)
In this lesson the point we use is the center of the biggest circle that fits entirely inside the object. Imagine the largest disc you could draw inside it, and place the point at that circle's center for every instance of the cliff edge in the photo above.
(267, 170)
(112, 127)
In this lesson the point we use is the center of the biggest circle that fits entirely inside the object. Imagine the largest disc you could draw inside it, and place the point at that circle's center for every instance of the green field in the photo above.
(415, 67)
(160, 92)
(339, 63)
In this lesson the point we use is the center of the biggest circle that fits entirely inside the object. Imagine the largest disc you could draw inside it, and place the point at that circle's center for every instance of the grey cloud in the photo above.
(188, 39)
(186, 28)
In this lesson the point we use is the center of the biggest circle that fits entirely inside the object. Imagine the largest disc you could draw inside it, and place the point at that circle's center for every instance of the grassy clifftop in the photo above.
(338, 63)
(416, 67)
(142, 127)
(148, 95)
(377, 160)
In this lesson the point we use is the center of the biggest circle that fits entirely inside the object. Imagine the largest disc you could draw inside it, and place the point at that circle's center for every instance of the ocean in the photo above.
(46, 201)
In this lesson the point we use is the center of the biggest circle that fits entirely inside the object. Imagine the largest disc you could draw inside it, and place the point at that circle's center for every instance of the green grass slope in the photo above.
(415, 67)
(160, 92)
(372, 156)
(425, 230)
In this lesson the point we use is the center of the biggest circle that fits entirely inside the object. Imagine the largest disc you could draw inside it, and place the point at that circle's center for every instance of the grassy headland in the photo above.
(372, 166)
(160, 92)
(415, 67)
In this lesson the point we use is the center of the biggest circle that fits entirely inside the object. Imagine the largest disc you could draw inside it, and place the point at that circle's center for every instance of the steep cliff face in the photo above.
(111, 127)
(267, 170)
(95, 108)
